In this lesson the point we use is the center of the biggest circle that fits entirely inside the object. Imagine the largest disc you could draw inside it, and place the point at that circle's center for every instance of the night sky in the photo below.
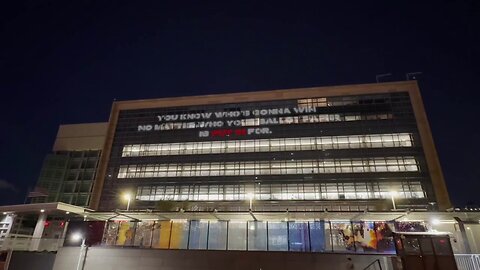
(63, 62)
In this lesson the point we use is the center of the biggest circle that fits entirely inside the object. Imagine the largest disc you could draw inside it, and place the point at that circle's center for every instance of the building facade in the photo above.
(341, 148)
(68, 173)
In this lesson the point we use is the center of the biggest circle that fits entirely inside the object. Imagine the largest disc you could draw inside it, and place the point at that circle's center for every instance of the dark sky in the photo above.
(64, 62)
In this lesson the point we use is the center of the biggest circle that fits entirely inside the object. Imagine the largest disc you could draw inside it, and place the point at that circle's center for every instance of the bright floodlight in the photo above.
(76, 236)
(435, 221)
(127, 196)
(394, 193)
(250, 195)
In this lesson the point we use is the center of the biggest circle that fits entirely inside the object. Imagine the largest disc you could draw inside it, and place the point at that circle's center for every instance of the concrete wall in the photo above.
(89, 136)
(24, 260)
(149, 259)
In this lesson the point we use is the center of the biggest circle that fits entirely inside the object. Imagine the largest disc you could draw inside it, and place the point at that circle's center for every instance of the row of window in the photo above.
(270, 145)
(300, 236)
(343, 101)
(272, 167)
(284, 120)
(293, 191)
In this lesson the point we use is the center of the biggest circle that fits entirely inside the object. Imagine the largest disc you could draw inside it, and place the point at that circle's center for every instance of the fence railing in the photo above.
(27, 243)
(375, 265)
(468, 261)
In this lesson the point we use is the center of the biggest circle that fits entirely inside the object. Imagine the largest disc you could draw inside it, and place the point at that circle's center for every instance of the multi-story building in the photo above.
(68, 173)
(292, 173)
(341, 148)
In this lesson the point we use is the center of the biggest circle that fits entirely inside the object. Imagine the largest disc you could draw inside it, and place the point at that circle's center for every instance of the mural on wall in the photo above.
(384, 236)
(125, 234)
(303, 236)
(342, 236)
(364, 236)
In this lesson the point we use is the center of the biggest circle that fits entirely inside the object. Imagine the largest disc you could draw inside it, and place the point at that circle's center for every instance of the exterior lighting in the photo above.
(76, 237)
(128, 198)
(435, 221)
(4, 213)
(67, 212)
(393, 194)
(250, 198)
(42, 210)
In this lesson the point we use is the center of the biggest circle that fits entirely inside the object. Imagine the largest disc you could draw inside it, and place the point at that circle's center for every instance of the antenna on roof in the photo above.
(412, 75)
(377, 77)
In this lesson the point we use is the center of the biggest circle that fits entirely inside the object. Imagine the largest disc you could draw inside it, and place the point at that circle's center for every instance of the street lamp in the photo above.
(77, 237)
(128, 197)
(393, 194)
(81, 258)
(250, 198)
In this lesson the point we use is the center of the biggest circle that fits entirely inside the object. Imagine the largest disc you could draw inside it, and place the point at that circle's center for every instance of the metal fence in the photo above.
(468, 261)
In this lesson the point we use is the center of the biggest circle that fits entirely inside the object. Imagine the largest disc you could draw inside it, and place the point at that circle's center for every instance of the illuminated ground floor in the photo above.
(351, 233)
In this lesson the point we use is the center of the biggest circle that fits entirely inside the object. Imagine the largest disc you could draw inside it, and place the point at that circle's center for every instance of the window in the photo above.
(179, 235)
(198, 234)
(394, 164)
(237, 235)
(217, 235)
(277, 236)
(257, 235)
(267, 145)
(293, 191)
(317, 236)
(298, 234)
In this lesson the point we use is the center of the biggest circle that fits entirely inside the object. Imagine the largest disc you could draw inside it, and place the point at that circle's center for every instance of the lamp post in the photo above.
(250, 198)
(393, 194)
(81, 256)
(127, 197)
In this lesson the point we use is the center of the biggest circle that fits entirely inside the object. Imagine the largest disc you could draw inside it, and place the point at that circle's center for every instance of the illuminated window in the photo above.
(294, 191)
(271, 145)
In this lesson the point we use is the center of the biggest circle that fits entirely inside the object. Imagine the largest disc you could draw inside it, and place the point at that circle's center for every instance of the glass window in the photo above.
(412, 246)
(342, 236)
(442, 246)
(110, 234)
(364, 236)
(179, 235)
(298, 235)
(306, 191)
(317, 236)
(384, 236)
(161, 234)
(426, 245)
(281, 144)
(237, 235)
(198, 234)
(125, 233)
(143, 234)
(217, 235)
(277, 236)
(257, 235)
